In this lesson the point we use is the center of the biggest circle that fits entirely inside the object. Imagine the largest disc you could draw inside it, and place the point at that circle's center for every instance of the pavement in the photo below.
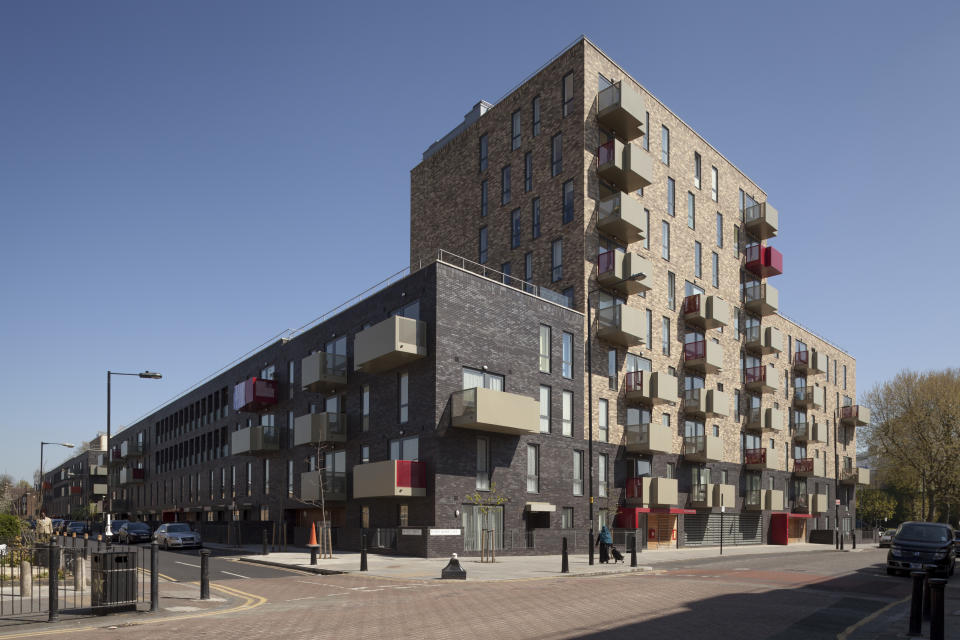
(505, 567)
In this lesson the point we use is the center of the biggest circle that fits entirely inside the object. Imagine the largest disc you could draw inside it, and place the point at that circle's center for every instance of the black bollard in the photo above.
(564, 560)
(853, 539)
(916, 603)
(264, 542)
(633, 551)
(154, 577)
(313, 554)
(936, 614)
(363, 552)
(205, 574)
(926, 594)
(841, 541)
(590, 561)
(53, 577)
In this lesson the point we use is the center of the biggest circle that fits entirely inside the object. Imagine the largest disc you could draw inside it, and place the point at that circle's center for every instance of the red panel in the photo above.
(797, 515)
(411, 474)
(778, 528)
(691, 304)
(606, 261)
(76, 490)
(628, 517)
(254, 394)
(137, 474)
(674, 511)
(606, 153)
(850, 413)
(695, 350)
(635, 488)
(763, 261)
(803, 465)
(634, 381)
(755, 456)
(801, 357)
(755, 374)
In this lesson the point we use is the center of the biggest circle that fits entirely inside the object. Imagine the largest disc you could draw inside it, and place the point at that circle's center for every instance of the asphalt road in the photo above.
(184, 566)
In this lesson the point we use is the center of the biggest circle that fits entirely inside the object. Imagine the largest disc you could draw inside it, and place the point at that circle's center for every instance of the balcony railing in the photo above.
(700, 448)
(494, 411)
(764, 419)
(855, 415)
(803, 466)
(621, 325)
(755, 456)
(624, 165)
(255, 394)
(809, 396)
(624, 272)
(699, 494)
(647, 438)
(755, 379)
(389, 344)
(763, 340)
(319, 428)
(705, 311)
(322, 372)
(753, 499)
(763, 261)
(334, 485)
(621, 109)
(390, 478)
(703, 356)
(761, 299)
(651, 491)
(623, 218)
(257, 439)
(654, 388)
(761, 220)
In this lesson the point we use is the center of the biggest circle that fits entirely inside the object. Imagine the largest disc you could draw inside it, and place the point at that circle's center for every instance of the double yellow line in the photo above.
(250, 601)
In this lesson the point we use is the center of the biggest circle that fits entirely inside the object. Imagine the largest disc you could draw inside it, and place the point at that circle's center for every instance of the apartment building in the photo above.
(76, 487)
(580, 182)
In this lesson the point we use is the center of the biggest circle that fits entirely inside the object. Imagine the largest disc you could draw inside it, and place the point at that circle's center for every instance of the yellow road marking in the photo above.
(846, 632)
(251, 601)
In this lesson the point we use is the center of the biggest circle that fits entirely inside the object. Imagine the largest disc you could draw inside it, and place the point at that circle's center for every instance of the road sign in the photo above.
(837, 502)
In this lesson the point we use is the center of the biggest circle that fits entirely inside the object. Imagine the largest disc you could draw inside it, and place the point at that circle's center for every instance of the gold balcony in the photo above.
(855, 416)
(650, 387)
(621, 325)
(621, 109)
(494, 411)
(761, 379)
(390, 478)
(754, 499)
(622, 217)
(320, 428)
(818, 503)
(333, 483)
(623, 272)
(808, 467)
(764, 419)
(855, 475)
(809, 430)
(652, 492)
(762, 458)
(761, 299)
(131, 449)
(323, 372)
(761, 221)
(100, 489)
(763, 340)
(811, 397)
(724, 495)
(706, 402)
(703, 355)
(98, 470)
(773, 499)
(625, 165)
(648, 438)
(392, 343)
(707, 312)
(703, 448)
(132, 475)
(809, 362)
(254, 440)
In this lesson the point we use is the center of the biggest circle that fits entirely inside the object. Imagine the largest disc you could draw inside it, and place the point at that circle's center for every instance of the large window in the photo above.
(714, 184)
(720, 230)
(567, 94)
(483, 198)
(404, 397)
(556, 154)
(482, 246)
(578, 473)
(567, 355)
(483, 464)
(672, 290)
(556, 260)
(483, 152)
(533, 468)
(697, 260)
(665, 336)
(612, 368)
(365, 423)
(515, 134)
(671, 197)
(603, 418)
(400, 449)
(535, 218)
(528, 267)
(535, 108)
(566, 414)
(505, 185)
(473, 378)
(544, 409)
(515, 227)
(691, 210)
(696, 169)
(528, 172)
(665, 239)
(665, 145)
(646, 236)
(567, 201)
(602, 475)
(545, 341)
(715, 261)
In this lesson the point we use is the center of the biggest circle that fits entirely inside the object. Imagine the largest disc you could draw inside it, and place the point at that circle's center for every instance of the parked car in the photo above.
(115, 526)
(76, 527)
(956, 541)
(887, 537)
(134, 532)
(177, 535)
(918, 546)
(57, 525)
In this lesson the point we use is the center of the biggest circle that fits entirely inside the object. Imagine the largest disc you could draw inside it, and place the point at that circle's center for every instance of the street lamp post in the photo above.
(634, 276)
(152, 375)
(42, 445)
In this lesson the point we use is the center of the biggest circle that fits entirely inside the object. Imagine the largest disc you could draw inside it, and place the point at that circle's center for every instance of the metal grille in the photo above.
(703, 529)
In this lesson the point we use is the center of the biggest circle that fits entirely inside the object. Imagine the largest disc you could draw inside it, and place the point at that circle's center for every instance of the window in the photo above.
(556, 260)
(483, 464)
(249, 479)
(568, 295)
(671, 197)
(697, 260)
(535, 107)
(736, 240)
(535, 218)
(567, 94)
(533, 468)
(665, 249)
(566, 414)
(544, 409)
(567, 355)
(528, 172)
(289, 479)
(266, 478)
(515, 226)
(365, 426)
(364, 454)
(671, 469)
(556, 154)
(602, 475)
(483, 198)
(544, 348)
(482, 249)
(400, 449)
(612, 368)
(646, 235)
(649, 340)
(665, 145)
(482, 379)
(528, 267)
(844, 377)
(568, 201)
(515, 136)
(404, 397)
(233, 481)
(714, 184)
(691, 210)
(566, 518)
(715, 262)
(646, 131)
(505, 185)
(671, 290)
(665, 336)
(696, 169)
(720, 230)
(578, 473)
(483, 152)
(603, 418)
(505, 270)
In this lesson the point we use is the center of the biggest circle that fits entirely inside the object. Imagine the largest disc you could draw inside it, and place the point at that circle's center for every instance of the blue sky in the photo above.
(180, 181)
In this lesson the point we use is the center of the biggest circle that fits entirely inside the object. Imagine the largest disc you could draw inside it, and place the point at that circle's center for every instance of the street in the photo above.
(815, 594)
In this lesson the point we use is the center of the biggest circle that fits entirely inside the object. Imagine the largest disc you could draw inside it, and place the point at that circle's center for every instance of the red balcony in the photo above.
(803, 465)
(606, 262)
(47, 485)
(634, 381)
(254, 394)
(634, 488)
(764, 261)
(691, 304)
(76, 490)
(755, 456)
(411, 475)
(695, 350)
(755, 374)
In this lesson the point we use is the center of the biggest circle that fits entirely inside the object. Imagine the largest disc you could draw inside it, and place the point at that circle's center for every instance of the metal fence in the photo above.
(40, 580)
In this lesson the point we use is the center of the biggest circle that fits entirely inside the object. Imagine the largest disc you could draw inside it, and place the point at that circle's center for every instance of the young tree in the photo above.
(875, 505)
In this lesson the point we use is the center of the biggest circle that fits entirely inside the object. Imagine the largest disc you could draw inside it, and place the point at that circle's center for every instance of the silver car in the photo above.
(177, 535)
(886, 538)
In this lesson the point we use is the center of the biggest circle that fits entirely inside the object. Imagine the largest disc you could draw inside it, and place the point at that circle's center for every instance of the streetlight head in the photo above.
(66, 444)
(150, 374)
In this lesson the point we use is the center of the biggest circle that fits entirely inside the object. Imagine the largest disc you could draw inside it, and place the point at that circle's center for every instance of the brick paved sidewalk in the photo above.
(509, 567)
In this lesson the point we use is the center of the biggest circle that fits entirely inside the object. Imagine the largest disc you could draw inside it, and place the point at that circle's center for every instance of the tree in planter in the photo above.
(485, 503)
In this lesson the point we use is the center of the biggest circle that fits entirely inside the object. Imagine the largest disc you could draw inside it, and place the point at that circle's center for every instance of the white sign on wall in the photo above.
(411, 532)
(444, 532)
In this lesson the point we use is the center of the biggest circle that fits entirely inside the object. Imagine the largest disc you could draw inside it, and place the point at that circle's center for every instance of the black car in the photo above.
(956, 542)
(918, 546)
(76, 527)
(115, 526)
(134, 532)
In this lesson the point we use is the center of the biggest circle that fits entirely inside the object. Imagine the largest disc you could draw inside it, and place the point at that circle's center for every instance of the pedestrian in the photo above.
(604, 540)
(44, 527)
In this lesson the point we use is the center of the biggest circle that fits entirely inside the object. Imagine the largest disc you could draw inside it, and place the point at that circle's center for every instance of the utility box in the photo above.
(113, 581)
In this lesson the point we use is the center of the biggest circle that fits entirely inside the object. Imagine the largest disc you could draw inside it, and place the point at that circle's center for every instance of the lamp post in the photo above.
(152, 375)
(634, 276)
(836, 474)
(42, 445)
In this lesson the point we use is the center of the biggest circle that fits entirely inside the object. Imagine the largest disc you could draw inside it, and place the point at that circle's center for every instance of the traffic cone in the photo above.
(313, 535)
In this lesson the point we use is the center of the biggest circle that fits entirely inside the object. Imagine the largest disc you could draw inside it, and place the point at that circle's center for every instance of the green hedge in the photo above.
(9, 526)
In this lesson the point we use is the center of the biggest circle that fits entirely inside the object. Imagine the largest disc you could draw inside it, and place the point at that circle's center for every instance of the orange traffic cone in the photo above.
(313, 535)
